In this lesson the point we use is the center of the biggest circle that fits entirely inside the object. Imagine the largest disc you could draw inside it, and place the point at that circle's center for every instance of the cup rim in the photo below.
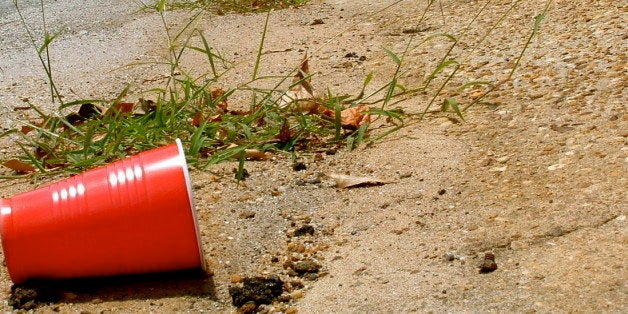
(188, 182)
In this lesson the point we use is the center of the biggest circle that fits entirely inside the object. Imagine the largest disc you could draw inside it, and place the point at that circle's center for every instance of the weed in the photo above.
(192, 109)
(248, 5)
(226, 6)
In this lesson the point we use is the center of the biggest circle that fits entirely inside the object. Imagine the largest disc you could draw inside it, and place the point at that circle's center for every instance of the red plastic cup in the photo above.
(130, 217)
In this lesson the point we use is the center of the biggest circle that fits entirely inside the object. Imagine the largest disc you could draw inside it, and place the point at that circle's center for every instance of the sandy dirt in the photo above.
(536, 175)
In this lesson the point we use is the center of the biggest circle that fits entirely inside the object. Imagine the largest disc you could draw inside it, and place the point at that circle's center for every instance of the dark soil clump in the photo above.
(27, 298)
(261, 290)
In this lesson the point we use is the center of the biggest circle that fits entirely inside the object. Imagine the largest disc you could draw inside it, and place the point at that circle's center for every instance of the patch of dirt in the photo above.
(534, 179)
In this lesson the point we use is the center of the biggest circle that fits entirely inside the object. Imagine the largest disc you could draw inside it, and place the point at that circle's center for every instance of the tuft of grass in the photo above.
(233, 6)
(241, 6)
(100, 131)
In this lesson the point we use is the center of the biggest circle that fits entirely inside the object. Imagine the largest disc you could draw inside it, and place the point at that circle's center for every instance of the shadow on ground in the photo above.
(154, 286)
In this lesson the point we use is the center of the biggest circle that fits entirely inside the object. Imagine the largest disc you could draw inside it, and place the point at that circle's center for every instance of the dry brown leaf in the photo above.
(285, 134)
(345, 181)
(251, 154)
(301, 96)
(18, 165)
(26, 129)
(303, 76)
(354, 117)
(255, 154)
(219, 93)
(196, 118)
(123, 108)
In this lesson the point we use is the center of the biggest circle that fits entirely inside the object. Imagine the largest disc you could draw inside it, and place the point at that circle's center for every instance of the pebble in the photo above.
(296, 247)
(518, 245)
(303, 230)
(498, 169)
(556, 167)
(310, 276)
(449, 256)
(488, 265)
(237, 278)
(291, 310)
(247, 215)
(306, 266)
(296, 295)
(248, 307)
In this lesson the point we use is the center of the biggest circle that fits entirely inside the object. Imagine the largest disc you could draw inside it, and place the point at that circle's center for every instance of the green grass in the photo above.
(194, 110)
(248, 5)
(229, 6)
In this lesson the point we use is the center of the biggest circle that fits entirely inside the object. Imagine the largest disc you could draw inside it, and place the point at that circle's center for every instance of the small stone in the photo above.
(556, 167)
(310, 276)
(247, 215)
(449, 256)
(288, 264)
(298, 166)
(303, 230)
(291, 310)
(297, 284)
(248, 307)
(306, 266)
(498, 169)
(317, 22)
(237, 278)
(285, 298)
(488, 264)
(296, 295)
(536, 95)
(296, 247)
(259, 290)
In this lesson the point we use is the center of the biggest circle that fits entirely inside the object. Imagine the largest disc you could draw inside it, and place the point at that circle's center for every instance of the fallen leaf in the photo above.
(345, 181)
(89, 111)
(18, 165)
(41, 153)
(250, 154)
(196, 118)
(285, 134)
(301, 96)
(354, 117)
(219, 93)
(122, 108)
(255, 154)
(74, 119)
(26, 129)
(86, 111)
